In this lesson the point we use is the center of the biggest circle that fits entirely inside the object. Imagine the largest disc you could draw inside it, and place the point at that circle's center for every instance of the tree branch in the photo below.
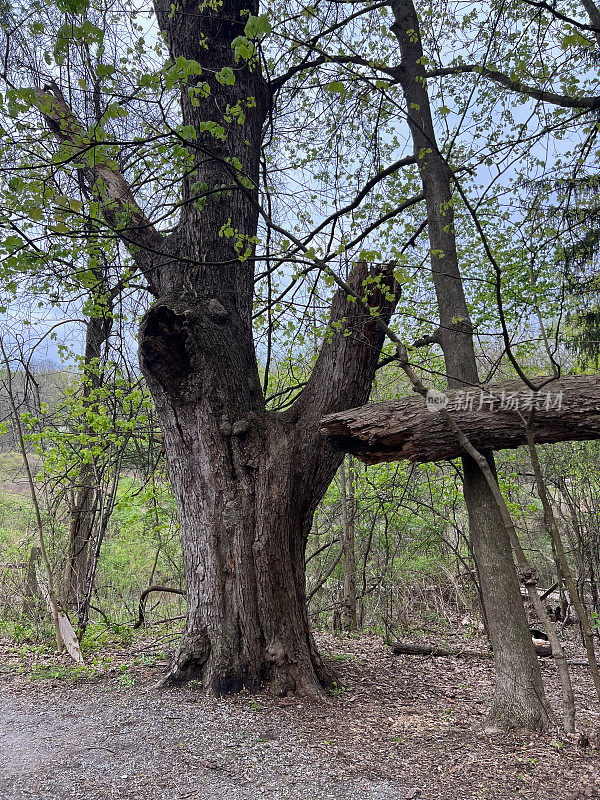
(341, 60)
(555, 13)
(517, 86)
(490, 418)
(350, 351)
(119, 207)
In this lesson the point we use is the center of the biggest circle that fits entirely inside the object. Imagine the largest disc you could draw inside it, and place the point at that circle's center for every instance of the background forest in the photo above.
(388, 553)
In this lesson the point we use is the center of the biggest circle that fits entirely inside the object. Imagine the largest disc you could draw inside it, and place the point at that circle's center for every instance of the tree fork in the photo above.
(247, 483)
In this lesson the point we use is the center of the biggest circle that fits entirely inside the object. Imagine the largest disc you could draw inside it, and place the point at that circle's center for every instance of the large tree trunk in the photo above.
(568, 409)
(519, 695)
(247, 483)
(243, 533)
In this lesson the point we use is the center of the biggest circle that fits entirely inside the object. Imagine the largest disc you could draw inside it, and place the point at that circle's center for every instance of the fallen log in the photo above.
(406, 649)
(411, 428)
(549, 591)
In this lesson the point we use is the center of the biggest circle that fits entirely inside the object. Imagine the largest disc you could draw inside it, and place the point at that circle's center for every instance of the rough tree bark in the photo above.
(519, 699)
(247, 484)
(247, 481)
(568, 410)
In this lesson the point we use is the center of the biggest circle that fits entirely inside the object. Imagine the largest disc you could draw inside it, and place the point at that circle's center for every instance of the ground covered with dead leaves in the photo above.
(401, 727)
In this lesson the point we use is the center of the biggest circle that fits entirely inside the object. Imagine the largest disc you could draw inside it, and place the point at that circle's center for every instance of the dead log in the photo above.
(406, 649)
(543, 649)
(549, 591)
(567, 409)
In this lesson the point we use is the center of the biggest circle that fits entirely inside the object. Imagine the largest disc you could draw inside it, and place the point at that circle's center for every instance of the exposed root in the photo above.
(281, 676)
(189, 661)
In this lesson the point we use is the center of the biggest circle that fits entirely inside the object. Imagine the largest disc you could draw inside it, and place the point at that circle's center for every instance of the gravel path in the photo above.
(401, 725)
(95, 741)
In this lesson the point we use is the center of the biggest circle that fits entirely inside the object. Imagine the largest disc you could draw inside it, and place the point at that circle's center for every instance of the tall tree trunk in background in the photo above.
(519, 699)
(85, 504)
(348, 544)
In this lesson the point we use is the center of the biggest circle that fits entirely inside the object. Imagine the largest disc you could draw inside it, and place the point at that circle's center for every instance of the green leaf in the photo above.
(104, 70)
(243, 49)
(12, 243)
(226, 76)
(257, 27)
(73, 6)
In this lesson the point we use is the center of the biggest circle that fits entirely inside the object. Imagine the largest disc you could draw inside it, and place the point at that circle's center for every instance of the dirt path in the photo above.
(401, 724)
(89, 742)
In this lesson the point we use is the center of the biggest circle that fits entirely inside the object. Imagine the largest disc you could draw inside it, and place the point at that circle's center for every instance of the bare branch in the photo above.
(517, 86)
